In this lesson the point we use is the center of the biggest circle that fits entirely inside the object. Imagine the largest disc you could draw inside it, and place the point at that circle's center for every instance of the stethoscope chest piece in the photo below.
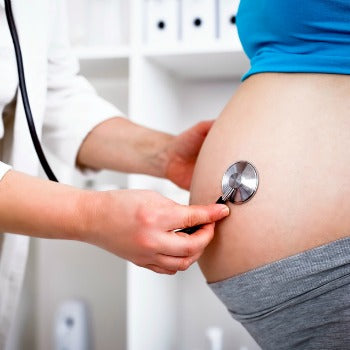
(243, 178)
(239, 184)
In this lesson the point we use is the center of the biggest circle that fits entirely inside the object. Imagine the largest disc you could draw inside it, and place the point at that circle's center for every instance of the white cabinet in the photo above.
(169, 87)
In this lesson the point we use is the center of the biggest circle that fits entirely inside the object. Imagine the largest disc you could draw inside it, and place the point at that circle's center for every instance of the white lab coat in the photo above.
(65, 109)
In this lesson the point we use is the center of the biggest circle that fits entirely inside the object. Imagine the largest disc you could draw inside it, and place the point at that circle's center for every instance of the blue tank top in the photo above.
(295, 35)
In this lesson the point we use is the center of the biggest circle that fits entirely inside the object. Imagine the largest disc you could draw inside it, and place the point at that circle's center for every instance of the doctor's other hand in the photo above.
(182, 153)
(139, 226)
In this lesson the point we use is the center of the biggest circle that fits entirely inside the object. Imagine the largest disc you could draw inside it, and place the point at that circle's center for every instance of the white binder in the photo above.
(198, 19)
(162, 21)
(227, 20)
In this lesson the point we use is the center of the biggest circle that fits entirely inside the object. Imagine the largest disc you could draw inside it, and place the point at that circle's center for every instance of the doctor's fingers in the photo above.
(171, 263)
(158, 269)
(179, 244)
(183, 216)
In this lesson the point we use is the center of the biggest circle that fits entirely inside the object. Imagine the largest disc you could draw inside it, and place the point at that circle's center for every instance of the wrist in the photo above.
(90, 209)
(160, 158)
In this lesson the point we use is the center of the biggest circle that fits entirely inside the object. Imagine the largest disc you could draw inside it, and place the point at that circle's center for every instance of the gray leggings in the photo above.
(300, 302)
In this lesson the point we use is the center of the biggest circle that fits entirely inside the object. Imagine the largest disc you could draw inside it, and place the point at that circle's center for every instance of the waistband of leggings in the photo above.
(302, 275)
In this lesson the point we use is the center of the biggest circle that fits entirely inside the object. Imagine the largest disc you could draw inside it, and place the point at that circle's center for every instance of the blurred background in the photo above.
(167, 64)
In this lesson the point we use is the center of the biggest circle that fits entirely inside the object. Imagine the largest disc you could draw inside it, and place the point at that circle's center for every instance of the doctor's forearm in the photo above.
(118, 144)
(39, 208)
(135, 225)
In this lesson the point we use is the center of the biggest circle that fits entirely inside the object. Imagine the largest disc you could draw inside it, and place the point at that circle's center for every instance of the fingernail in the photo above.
(225, 210)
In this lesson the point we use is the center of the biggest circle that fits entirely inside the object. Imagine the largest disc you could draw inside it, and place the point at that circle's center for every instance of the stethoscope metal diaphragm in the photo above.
(239, 184)
(243, 177)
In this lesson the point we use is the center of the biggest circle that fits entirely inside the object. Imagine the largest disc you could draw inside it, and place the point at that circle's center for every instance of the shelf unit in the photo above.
(169, 88)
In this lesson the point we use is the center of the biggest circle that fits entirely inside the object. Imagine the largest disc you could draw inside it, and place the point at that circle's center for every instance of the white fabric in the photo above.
(8, 67)
(65, 108)
(4, 168)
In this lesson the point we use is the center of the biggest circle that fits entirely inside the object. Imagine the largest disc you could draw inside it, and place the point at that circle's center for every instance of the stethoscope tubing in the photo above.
(23, 88)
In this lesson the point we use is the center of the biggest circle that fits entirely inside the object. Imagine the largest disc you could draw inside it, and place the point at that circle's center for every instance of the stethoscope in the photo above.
(239, 183)
(23, 88)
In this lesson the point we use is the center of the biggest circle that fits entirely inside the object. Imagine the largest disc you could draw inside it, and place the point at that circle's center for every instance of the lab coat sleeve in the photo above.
(4, 168)
(73, 108)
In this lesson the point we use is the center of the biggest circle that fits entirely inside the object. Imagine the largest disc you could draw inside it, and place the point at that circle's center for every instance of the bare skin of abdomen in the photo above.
(295, 129)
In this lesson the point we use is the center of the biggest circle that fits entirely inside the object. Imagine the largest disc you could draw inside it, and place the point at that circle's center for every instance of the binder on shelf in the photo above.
(162, 21)
(227, 20)
(198, 19)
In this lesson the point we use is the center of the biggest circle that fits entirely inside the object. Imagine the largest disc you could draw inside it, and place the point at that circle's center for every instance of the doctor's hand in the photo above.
(119, 144)
(139, 226)
(182, 153)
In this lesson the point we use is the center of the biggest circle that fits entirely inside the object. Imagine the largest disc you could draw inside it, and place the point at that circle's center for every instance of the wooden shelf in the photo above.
(102, 52)
(104, 62)
(184, 48)
(218, 61)
(215, 61)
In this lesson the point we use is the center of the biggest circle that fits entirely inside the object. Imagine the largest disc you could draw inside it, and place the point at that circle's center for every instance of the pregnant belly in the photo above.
(295, 129)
